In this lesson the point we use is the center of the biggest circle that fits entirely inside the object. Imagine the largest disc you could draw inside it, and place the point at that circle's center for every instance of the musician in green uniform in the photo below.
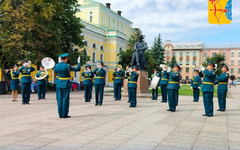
(132, 85)
(155, 91)
(118, 82)
(163, 83)
(173, 87)
(87, 82)
(14, 82)
(63, 70)
(26, 81)
(177, 93)
(195, 85)
(42, 84)
(99, 83)
(209, 77)
(222, 82)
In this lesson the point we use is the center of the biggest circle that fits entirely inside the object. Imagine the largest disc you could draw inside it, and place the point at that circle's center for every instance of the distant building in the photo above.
(188, 54)
(231, 53)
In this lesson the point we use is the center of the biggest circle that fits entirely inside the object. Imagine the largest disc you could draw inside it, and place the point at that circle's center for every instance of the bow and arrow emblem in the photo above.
(219, 9)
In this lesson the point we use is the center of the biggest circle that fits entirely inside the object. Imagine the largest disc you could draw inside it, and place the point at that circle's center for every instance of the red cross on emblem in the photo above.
(212, 1)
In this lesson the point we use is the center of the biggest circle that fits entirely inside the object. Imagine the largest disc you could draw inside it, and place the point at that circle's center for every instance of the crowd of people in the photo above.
(169, 82)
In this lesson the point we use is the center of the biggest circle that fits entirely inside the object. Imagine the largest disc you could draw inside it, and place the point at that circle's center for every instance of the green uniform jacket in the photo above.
(208, 81)
(63, 70)
(88, 76)
(164, 77)
(43, 81)
(100, 76)
(222, 81)
(119, 76)
(174, 79)
(196, 82)
(133, 77)
(26, 74)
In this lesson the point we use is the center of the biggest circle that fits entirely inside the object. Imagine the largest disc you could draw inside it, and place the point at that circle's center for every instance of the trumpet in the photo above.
(6, 70)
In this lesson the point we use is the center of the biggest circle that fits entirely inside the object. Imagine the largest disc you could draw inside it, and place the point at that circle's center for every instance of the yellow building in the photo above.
(106, 33)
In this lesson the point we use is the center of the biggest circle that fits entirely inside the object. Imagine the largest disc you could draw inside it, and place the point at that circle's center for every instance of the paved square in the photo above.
(116, 126)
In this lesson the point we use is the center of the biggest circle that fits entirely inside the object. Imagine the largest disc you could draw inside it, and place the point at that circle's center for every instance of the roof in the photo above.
(94, 3)
(185, 45)
(222, 46)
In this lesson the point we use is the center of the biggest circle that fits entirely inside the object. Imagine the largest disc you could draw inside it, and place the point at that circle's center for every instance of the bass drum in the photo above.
(155, 82)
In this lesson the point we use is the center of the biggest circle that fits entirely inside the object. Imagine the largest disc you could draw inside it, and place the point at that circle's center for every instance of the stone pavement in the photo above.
(116, 126)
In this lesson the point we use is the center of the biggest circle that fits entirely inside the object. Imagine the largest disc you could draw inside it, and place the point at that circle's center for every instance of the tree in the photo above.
(218, 59)
(152, 64)
(32, 30)
(172, 62)
(125, 57)
(158, 51)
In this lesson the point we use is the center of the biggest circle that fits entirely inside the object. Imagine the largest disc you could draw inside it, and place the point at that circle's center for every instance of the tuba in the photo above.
(48, 63)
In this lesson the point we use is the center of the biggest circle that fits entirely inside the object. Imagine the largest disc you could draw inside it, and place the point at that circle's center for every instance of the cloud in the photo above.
(174, 19)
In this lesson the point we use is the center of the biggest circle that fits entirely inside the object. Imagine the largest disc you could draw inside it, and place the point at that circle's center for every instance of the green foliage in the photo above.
(172, 62)
(218, 59)
(125, 57)
(152, 64)
(34, 29)
(158, 51)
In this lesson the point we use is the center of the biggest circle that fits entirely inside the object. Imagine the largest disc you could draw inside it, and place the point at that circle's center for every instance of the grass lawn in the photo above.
(186, 90)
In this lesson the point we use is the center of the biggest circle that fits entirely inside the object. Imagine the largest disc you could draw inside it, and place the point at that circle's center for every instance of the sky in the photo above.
(178, 20)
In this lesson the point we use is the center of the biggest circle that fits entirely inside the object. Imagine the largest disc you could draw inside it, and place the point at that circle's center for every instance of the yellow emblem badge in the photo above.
(220, 11)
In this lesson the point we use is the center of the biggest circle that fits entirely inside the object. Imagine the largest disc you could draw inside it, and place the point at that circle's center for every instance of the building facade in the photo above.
(231, 53)
(190, 55)
(106, 33)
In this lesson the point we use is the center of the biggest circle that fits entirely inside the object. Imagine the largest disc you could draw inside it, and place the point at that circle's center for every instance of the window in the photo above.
(194, 62)
(238, 70)
(94, 46)
(187, 77)
(224, 54)
(187, 69)
(117, 25)
(181, 54)
(238, 54)
(187, 53)
(180, 62)
(94, 57)
(85, 43)
(113, 24)
(232, 54)
(90, 16)
(214, 53)
(120, 49)
(187, 62)
(121, 27)
(205, 55)
(232, 62)
(109, 21)
(101, 57)
(232, 70)
(194, 54)
(239, 62)
(101, 48)
(174, 53)
(168, 54)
